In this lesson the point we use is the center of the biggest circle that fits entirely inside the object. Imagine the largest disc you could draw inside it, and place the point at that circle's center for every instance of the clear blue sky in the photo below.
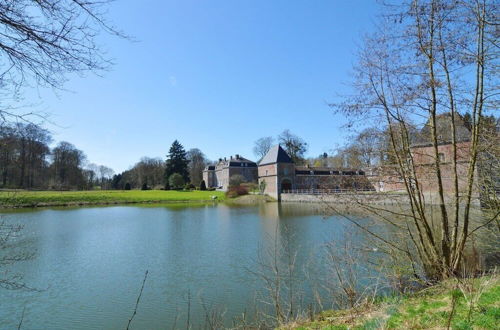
(215, 75)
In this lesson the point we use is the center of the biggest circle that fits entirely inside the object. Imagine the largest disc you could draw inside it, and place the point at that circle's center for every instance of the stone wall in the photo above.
(271, 185)
(348, 198)
(359, 182)
(221, 175)
(209, 178)
(365, 198)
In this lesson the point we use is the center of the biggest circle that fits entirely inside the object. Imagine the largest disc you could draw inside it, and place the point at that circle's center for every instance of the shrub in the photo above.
(127, 186)
(236, 191)
(176, 181)
(189, 186)
(262, 186)
(250, 186)
(203, 186)
(236, 180)
(144, 186)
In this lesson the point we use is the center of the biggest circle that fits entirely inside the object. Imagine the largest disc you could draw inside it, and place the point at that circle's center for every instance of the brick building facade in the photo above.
(277, 173)
(387, 178)
(424, 157)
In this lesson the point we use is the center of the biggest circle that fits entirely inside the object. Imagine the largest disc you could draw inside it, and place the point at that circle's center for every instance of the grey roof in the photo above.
(240, 159)
(275, 155)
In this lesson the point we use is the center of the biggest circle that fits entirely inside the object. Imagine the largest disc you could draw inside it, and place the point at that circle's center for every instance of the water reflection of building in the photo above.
(280, 211)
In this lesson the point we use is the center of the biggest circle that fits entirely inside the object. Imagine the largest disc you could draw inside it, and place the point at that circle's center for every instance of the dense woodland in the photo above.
(27, 161)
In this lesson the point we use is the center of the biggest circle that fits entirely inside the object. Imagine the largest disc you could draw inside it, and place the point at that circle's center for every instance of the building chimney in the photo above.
(237, 156)
(231, 157)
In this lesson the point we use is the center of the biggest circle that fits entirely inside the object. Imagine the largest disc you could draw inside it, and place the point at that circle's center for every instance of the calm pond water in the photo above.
(90, 262)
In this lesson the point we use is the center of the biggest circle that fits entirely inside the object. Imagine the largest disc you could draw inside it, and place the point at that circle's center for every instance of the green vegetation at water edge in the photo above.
(62, 198)
(472, 304)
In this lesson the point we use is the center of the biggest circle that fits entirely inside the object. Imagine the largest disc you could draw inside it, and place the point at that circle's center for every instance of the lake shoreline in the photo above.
(430, 307)
(40, 199)
(105, 203)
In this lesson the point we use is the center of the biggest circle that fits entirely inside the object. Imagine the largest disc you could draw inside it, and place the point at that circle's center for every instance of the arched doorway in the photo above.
(286, 184)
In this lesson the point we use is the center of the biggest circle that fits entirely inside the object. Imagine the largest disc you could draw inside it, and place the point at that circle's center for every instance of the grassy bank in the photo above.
(472, 304)
(9, 199)
(250, 200)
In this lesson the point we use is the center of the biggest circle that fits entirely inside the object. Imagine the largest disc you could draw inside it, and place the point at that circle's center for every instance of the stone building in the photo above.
(278, 174)
(218, 175)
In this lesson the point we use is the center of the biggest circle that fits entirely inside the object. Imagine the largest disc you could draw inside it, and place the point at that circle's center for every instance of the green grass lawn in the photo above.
(428, 309)
(57, 198)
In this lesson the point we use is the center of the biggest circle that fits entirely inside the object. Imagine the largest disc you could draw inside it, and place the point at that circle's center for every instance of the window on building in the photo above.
(441, 157)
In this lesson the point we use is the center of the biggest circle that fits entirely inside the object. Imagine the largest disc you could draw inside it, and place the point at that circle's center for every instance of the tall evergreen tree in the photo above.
(177, 162)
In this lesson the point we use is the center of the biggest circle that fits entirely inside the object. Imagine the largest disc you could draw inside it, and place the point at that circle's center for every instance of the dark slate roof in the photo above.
(238, 160)
(275, 155)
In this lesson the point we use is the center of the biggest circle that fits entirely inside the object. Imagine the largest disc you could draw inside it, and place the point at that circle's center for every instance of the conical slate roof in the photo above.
(275, 155)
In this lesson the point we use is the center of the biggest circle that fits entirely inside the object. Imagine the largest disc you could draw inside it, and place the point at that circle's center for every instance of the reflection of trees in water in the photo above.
(12, 252)
(366, 255)
(341, 266)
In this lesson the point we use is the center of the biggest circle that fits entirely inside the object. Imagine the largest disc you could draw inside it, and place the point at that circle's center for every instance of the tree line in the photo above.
(28, 162)
(181, 169)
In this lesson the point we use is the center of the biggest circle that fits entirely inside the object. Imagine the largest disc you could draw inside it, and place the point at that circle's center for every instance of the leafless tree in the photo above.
(10, 254)
(197, 163)
(429, 59)
(262, 146)
(105, 173)
(67, 165)
(44, 40)
(148, 171)
(295, 146)
(276, 268)
(214, 315)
